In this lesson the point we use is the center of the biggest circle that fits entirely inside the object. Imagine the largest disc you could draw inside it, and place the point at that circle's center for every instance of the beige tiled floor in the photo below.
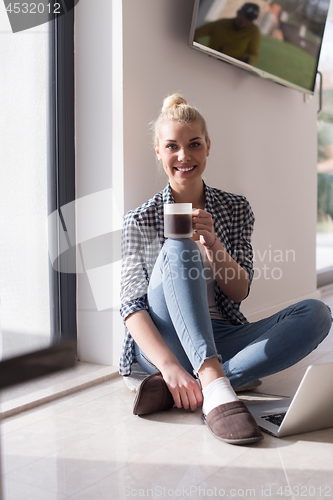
(89, 446)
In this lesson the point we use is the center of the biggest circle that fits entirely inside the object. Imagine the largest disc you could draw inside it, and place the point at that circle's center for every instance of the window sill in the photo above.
(43, 390)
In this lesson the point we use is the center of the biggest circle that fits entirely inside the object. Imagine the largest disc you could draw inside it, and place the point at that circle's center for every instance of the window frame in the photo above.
(325, 277)
(61, 169)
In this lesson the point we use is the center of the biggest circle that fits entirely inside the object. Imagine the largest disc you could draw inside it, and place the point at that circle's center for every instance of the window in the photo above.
(38, 302)
(25, 311)
(325, 164)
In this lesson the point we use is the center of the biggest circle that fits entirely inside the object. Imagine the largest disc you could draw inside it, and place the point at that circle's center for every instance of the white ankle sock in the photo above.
(217, 393)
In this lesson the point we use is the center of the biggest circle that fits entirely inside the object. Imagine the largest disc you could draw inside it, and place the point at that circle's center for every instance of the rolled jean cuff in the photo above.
(218, 356)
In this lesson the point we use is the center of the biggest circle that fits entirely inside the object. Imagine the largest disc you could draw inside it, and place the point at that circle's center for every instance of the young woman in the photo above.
(180, 298)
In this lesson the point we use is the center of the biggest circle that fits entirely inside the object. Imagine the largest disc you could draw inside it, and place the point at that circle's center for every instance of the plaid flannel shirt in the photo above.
(143, 238)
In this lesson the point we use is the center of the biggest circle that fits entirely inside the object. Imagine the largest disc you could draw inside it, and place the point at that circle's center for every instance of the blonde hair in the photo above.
(176, 108)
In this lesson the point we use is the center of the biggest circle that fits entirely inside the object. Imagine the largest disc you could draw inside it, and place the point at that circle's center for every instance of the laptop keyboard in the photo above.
(275, 419)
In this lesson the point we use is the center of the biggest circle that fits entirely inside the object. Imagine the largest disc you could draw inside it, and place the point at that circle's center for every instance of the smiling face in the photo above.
(183, 150)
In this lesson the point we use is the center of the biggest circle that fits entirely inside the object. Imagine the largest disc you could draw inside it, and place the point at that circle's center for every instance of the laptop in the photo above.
(310, 409)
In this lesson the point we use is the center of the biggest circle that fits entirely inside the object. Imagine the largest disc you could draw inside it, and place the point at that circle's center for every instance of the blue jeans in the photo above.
(178, 306)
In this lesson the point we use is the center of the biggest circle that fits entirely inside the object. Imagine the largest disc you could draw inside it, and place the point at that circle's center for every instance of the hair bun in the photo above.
(173, 101)
(176, 108)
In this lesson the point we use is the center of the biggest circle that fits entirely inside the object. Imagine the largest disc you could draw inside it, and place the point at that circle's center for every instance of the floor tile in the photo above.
(107, 410)
(82, 464)
(33, 442)
(32, 416)
(14, 490)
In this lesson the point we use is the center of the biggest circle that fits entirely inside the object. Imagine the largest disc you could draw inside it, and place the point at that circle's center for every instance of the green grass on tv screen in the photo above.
(286, 61)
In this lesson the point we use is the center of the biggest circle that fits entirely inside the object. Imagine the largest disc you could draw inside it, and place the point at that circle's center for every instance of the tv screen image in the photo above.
(278, 40)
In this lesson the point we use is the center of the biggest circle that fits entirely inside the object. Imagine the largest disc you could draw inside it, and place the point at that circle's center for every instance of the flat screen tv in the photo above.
(279, 40)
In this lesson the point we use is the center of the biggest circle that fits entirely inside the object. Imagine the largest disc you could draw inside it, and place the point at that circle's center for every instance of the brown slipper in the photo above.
(233, 423)
(152, 396)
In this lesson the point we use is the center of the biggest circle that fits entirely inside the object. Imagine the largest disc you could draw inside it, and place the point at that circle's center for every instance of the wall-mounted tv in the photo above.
(279, 40)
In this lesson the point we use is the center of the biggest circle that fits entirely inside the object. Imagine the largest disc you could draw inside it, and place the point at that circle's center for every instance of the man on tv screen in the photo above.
(238, 37)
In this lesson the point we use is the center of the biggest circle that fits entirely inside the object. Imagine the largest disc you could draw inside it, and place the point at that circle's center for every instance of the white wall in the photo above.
(263, 139)
(99, 159)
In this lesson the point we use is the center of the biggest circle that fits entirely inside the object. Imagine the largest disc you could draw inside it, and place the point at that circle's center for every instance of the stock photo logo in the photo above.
(89, 244)
(25, 15)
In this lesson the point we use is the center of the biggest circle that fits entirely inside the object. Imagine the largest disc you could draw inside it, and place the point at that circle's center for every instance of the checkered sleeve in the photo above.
(243, 252)
(140, 247)
(134, 279)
